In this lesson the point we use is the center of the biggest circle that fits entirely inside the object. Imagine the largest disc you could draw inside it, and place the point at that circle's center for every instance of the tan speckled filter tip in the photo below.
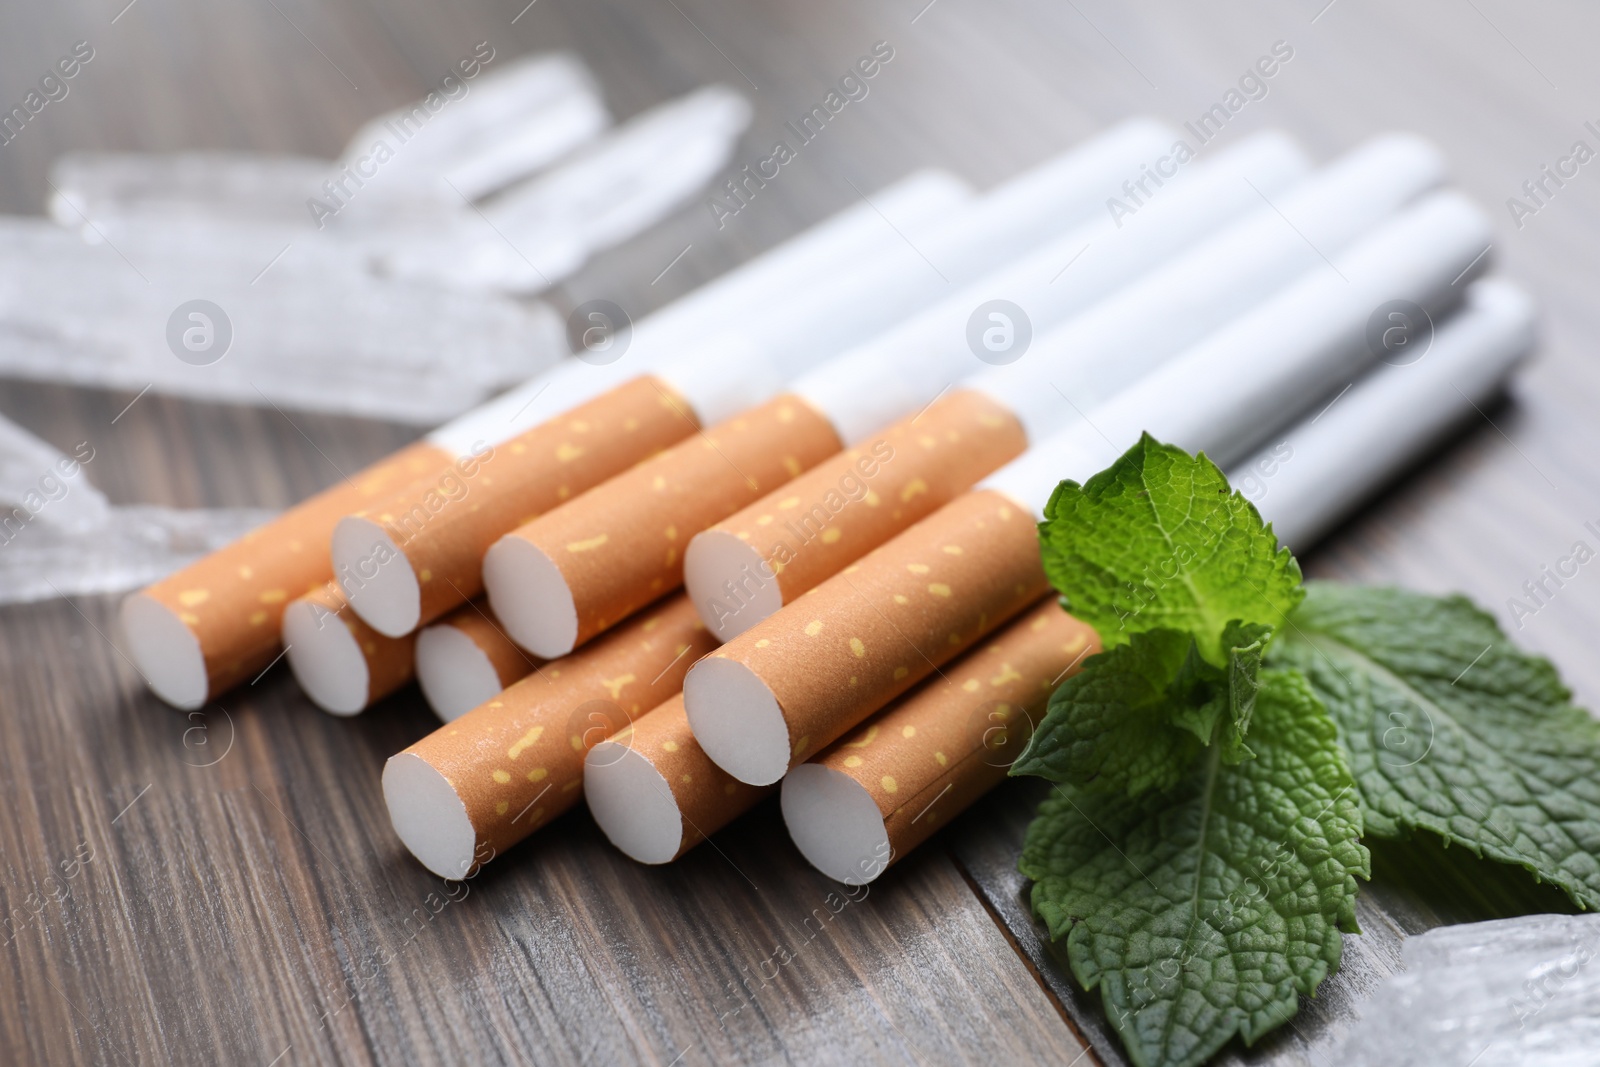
(391, 661)
(477, 623)
(945, 745)
(517, 761)
(708, 798)
(621, 544)
(444, 535)
(847, 505)
(875, 629)
(233, 600)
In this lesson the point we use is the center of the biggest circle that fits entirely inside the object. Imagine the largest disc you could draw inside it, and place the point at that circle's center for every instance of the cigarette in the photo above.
(746, 567)
(413, 556)
(883, 789)
(780, 691)
(655, 794)
(478, 785)
(1349, 444)
(465, 658)
(342, 663)
(212, 625)
(559, 579)
(822, 664)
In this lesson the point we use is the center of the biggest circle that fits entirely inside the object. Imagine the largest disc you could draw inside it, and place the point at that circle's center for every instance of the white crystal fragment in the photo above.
(467, 138)
(482, 134)
(39, 484)
(135, 546)
(60, 537)
(536, 233)
(314, 331)
(1521, 992)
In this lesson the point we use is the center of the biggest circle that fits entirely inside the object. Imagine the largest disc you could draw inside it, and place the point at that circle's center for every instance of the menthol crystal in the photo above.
(1522, 992)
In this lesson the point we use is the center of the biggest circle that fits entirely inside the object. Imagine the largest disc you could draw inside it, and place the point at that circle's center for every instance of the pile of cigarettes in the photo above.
(788, 538)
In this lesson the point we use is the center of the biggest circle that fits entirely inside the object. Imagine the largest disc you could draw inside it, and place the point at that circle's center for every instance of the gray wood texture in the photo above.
(224, 888)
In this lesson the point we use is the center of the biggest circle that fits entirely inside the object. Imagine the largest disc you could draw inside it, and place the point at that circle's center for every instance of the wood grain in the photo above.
(245, 901)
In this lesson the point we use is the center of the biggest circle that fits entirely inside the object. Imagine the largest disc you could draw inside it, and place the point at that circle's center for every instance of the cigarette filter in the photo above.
(654, 792)
(482, 783)
(847, 505)
(884, 788)
(343, 664)
(214, 624)
(465, 658)
(568, 575)
(416, 554)
(789, 686)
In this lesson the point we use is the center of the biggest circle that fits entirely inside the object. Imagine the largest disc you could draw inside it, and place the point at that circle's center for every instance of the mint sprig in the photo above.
(1216, 765)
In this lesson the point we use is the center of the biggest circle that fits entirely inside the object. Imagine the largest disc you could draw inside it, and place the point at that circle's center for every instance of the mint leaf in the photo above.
(1159, 541)
(1134, 717)
(1207, 910)
(1452, 729)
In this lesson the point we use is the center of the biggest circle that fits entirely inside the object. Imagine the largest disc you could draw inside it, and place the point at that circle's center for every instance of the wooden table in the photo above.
(246, 902)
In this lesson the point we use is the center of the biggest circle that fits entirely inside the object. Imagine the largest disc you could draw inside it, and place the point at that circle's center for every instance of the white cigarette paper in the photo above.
(894, 374)
(1226, 393)
(1335, 458)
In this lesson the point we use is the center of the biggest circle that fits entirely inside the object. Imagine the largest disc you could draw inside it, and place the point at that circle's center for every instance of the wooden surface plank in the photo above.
(228, 914)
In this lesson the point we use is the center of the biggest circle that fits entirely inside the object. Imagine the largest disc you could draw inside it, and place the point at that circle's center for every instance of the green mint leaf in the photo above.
(1159, 541)
(1207, 910)
(1135, 716)
(1452, 729)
